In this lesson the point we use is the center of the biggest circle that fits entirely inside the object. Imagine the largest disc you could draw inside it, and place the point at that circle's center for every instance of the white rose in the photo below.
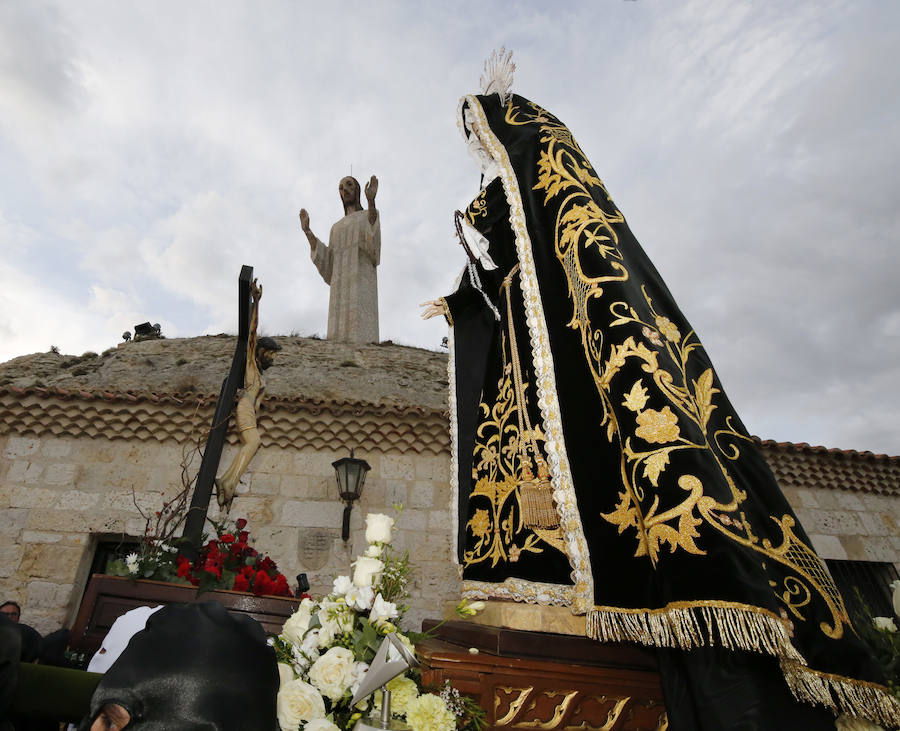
(333, 672)
(285, 674)
(298, 702)
(341, 585)
(297, 624)
(374, 551)
(378, 528)
(320, 724)
(368, 571)
(382, 610)
(885, 624)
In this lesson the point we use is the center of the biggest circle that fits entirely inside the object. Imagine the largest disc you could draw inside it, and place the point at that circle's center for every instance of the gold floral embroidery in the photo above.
(581, 224)
(658, 427)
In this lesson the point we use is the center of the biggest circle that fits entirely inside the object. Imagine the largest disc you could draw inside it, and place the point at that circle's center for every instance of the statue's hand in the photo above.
(433, 308)
(304, 220)
(371, 190)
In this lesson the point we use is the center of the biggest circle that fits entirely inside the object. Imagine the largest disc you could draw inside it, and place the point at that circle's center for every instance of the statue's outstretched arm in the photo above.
(371, 191)
(304, 225)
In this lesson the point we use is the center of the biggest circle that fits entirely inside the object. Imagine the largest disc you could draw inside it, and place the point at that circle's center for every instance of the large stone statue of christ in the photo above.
(348, 263)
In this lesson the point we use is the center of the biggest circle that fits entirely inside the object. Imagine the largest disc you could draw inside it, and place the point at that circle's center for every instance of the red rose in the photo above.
(244, 536)
(226, 538)
(241, 523)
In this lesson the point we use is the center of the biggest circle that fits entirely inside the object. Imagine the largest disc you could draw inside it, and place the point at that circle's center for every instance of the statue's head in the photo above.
(265, 352)
(349, 190)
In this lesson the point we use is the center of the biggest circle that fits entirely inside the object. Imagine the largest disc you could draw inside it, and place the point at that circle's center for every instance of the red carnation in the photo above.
(241, 583)
(244, 536)
(262, 584)
(267, 564)
(280, 587)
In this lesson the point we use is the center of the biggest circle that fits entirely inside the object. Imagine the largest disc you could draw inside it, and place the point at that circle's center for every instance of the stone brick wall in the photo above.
(59, 495)
(847, 525)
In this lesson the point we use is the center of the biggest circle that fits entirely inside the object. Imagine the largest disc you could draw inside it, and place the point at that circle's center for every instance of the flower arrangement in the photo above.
(227, 561)
(325, 649)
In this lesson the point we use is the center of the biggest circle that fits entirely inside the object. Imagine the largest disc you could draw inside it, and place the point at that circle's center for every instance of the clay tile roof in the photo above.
(806, 466)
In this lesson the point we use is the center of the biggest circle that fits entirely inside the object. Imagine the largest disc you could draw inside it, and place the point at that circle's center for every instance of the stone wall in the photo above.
(59, 495)
(847, 525)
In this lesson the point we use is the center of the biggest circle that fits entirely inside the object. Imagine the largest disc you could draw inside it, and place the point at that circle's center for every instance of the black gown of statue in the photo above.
(599, 465)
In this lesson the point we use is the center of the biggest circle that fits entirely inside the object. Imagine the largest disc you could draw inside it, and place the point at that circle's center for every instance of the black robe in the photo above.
(579, 389)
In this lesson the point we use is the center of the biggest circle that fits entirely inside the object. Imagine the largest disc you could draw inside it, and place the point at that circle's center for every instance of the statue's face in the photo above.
(265, 358)
(348, 189)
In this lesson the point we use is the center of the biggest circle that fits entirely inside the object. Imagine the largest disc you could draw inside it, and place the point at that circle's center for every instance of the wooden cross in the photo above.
(209, 465)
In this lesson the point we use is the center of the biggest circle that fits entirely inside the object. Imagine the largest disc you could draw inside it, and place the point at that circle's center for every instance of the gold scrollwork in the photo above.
(515, 705)
(586, 220)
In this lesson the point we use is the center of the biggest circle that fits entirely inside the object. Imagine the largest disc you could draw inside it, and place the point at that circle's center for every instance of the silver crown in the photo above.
(498, 74)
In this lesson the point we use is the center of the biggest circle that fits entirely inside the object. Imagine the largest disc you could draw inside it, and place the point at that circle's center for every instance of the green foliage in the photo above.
(884, 643)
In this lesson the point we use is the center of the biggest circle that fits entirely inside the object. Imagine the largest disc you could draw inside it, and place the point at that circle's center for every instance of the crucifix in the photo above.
(196, 517)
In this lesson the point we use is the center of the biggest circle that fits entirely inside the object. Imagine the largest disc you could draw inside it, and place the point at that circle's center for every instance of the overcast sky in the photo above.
(148, 150)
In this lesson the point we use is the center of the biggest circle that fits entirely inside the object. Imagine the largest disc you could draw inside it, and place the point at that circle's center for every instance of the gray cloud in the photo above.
(152, 150)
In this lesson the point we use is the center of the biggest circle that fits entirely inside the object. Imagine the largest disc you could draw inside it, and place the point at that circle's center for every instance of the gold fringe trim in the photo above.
(842, 695)
(686, 625)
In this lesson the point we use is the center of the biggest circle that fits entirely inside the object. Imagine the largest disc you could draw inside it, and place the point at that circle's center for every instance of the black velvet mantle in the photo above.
(673, 531)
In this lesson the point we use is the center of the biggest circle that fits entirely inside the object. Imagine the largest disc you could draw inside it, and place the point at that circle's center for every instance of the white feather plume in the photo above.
(498, 74)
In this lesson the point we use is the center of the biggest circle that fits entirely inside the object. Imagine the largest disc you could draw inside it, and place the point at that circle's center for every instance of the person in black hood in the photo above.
(194, 666)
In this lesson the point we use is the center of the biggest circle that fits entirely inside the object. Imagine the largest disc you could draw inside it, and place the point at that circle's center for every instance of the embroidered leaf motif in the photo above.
(636, 398)
(703, 393)
(655, 464)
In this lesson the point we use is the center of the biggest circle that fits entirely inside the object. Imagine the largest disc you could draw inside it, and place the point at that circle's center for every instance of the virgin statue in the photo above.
(598, 464)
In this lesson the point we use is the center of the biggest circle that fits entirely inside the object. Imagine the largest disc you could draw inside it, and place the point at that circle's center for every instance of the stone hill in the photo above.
(308, 368)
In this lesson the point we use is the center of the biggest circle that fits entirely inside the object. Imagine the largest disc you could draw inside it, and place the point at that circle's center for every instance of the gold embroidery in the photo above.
(564, 173)
(477, 208)
(509, 467)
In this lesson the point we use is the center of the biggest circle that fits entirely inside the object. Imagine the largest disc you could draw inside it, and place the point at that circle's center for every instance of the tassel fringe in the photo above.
(740, 627)
(735, 628)
(842, 695)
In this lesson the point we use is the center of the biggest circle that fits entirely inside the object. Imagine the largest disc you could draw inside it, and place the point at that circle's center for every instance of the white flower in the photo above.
(360, 597)
(885, 624)
(333, 672)
(341, 585)
(469, 609)
(382, 610)
(368, 570)
(374, 551)
(359, 672)
(298, 702)
(429, 713)
(285, 674)
(297, 624)
(378, 528)
(320, 724)
(131, 562)
(310, 642)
